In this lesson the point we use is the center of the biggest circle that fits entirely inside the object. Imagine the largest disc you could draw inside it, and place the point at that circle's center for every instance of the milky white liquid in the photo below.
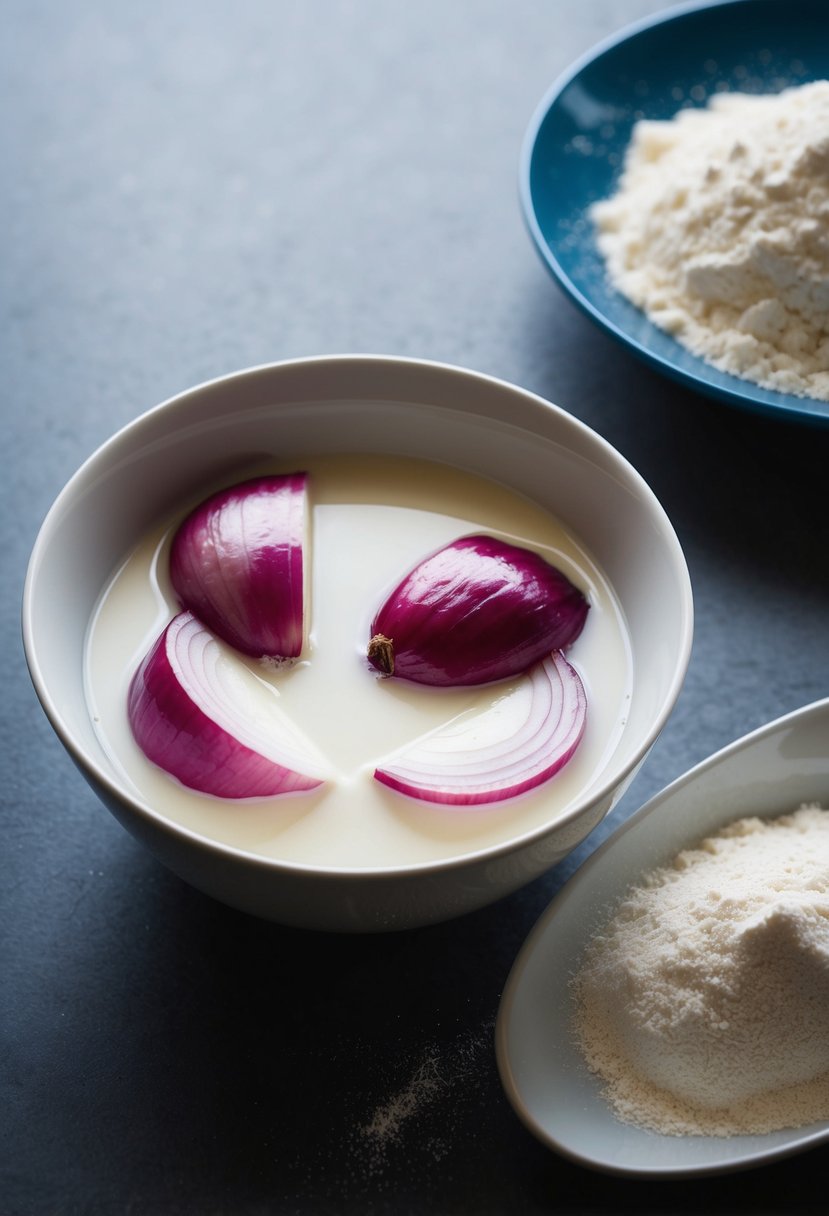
(372, 519)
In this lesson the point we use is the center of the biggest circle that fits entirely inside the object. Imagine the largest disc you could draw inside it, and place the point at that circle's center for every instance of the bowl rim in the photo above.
(739, 392)
(143, 810)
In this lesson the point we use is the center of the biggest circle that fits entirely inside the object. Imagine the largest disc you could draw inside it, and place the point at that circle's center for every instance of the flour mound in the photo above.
(719, 232)
(704, 1003)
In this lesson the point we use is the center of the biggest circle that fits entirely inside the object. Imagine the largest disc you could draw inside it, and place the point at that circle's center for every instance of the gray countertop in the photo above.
(193, 188)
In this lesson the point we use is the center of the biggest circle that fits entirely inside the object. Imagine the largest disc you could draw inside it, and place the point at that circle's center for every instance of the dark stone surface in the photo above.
(189, 189)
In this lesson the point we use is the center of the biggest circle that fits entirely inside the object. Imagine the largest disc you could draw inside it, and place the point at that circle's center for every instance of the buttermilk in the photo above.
(372, 519)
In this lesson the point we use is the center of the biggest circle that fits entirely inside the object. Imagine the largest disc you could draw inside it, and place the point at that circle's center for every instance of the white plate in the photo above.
(773, 770)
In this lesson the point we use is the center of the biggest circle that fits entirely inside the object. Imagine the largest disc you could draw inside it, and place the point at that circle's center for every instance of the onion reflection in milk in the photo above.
(372, 519)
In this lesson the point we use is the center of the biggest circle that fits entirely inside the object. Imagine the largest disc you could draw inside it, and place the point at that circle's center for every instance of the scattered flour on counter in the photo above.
(428, 1089)
(422, 1087)
(719, 232)
(704, 1003)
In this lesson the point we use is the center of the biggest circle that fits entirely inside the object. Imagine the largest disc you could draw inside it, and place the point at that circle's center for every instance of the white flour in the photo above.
(720, 233)
(704, 1003)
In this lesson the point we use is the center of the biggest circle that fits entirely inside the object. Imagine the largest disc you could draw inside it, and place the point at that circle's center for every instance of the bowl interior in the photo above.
(355, 405)
(575, 146)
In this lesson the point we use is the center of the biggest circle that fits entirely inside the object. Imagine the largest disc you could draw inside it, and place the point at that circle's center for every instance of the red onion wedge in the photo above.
(478, 610)
(198, 712)
(518, 743)
(237, 564)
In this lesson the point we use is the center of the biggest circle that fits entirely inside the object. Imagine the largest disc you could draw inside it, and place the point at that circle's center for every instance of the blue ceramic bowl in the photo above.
(574, 147)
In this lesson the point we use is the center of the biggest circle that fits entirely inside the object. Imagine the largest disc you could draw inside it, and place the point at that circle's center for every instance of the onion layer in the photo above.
(478, 610)
(198, 712)
(522, 740)
(237, 564)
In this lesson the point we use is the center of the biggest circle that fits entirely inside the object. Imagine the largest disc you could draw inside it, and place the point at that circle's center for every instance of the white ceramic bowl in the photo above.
(370, 405)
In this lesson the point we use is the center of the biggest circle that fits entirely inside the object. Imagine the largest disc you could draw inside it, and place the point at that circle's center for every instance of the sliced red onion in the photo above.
(197, 712)
(478, 610)
(237, 563)
(521, 741)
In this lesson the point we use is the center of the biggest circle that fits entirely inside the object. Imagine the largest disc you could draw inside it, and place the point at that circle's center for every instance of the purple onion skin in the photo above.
(174, 733)
(236, 563)
(477, 611)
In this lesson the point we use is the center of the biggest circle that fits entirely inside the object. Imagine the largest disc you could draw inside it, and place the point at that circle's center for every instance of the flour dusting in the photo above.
(424, 1084)
(443, 1079)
